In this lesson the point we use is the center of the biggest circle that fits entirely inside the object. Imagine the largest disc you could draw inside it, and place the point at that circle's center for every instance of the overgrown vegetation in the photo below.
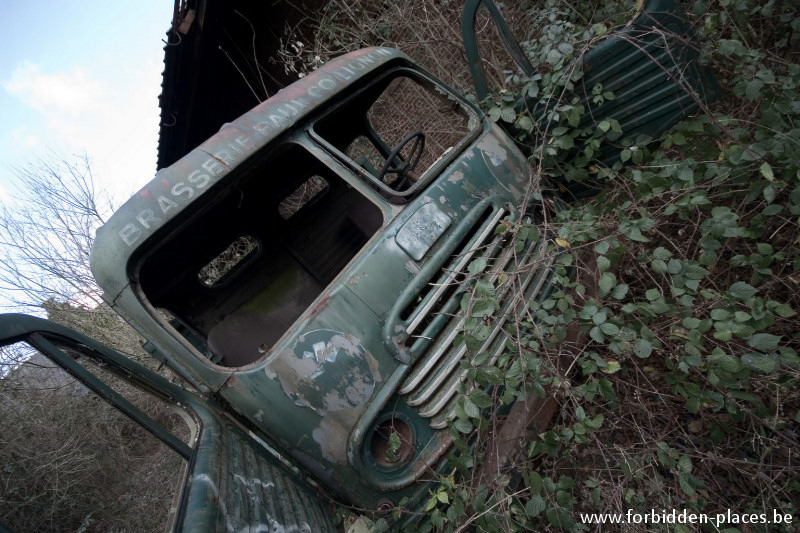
(682, 391)
(71, 462)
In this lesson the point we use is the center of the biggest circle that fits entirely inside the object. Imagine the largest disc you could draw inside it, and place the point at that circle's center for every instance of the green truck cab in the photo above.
(306, 265)
(309, 268)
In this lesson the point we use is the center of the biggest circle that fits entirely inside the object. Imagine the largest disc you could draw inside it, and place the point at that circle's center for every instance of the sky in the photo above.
(82, 77)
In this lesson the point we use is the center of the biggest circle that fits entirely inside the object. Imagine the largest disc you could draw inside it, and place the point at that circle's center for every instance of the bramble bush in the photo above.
(681, 276)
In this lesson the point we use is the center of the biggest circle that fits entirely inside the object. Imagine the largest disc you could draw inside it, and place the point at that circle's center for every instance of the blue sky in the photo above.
(82, 76)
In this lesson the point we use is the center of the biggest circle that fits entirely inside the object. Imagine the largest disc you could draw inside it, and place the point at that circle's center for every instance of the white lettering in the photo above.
(180, 188)
(277, 120)
(199, 181)
(288, 111)
(301, 104)
(146, 217)
(343, 76)
(243, 141)
(323, 85)
(166, 204)
(129, 234)
(213, 166)
(327, 83)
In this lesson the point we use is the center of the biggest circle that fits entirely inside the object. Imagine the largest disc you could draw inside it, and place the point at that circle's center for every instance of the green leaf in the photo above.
(600, 316)
(431, 503)
(725, 361)
(462, 425)
(658, 266)
(508, 114)
(609, 329)
(720, 314)
(742, 291)
(525, 123)
(686, 486)
(603, 263)
(535, 506)
(480, 398)
(784, 311)
(471, 409)
(483, 307)
(753, 90)
(594, 423)
(684, 464)
(662, 253)
(766, 171)
(759, 362)
(674, 266)
(764, 342)
(484, 287)
(723, 335)
(642, 348)
(686, 174)
(652, 294)
(769, 193)
(606, 283)
(477, 266)
(619, 291)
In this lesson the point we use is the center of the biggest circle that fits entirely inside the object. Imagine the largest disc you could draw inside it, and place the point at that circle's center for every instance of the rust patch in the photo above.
(321, 305)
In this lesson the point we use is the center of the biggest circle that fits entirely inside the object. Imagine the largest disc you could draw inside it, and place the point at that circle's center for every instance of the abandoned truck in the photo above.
(305, 270)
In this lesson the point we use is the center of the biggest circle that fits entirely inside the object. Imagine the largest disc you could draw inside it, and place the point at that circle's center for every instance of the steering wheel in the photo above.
(405, 168)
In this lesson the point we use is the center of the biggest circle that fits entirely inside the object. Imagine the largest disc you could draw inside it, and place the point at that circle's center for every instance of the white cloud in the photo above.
(105, 109)
(25, 139)
(72, 92)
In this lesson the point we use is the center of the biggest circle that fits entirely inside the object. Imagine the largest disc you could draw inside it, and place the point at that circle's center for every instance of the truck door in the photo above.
(650, 65)
(224, 477)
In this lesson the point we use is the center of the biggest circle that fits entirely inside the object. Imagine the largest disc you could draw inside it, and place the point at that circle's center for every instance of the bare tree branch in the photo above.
(47, 231)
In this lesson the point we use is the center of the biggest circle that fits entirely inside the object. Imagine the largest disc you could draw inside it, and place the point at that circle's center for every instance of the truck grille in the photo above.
(433, 320)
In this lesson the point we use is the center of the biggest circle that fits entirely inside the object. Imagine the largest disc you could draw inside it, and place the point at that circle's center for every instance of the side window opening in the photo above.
(251, 261)
(397, 130)
(310, 191)
(231, 259)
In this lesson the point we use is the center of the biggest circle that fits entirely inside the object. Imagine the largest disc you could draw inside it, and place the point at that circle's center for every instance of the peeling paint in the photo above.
(491, 145)
(412, 267)
(456, 176)
(493, 159)
(332, 374)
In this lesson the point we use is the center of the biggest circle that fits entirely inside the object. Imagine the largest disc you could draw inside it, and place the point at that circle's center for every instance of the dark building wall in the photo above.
(221, 60)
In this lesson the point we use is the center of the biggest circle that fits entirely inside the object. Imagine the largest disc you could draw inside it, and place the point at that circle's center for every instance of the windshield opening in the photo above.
(397, 130)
